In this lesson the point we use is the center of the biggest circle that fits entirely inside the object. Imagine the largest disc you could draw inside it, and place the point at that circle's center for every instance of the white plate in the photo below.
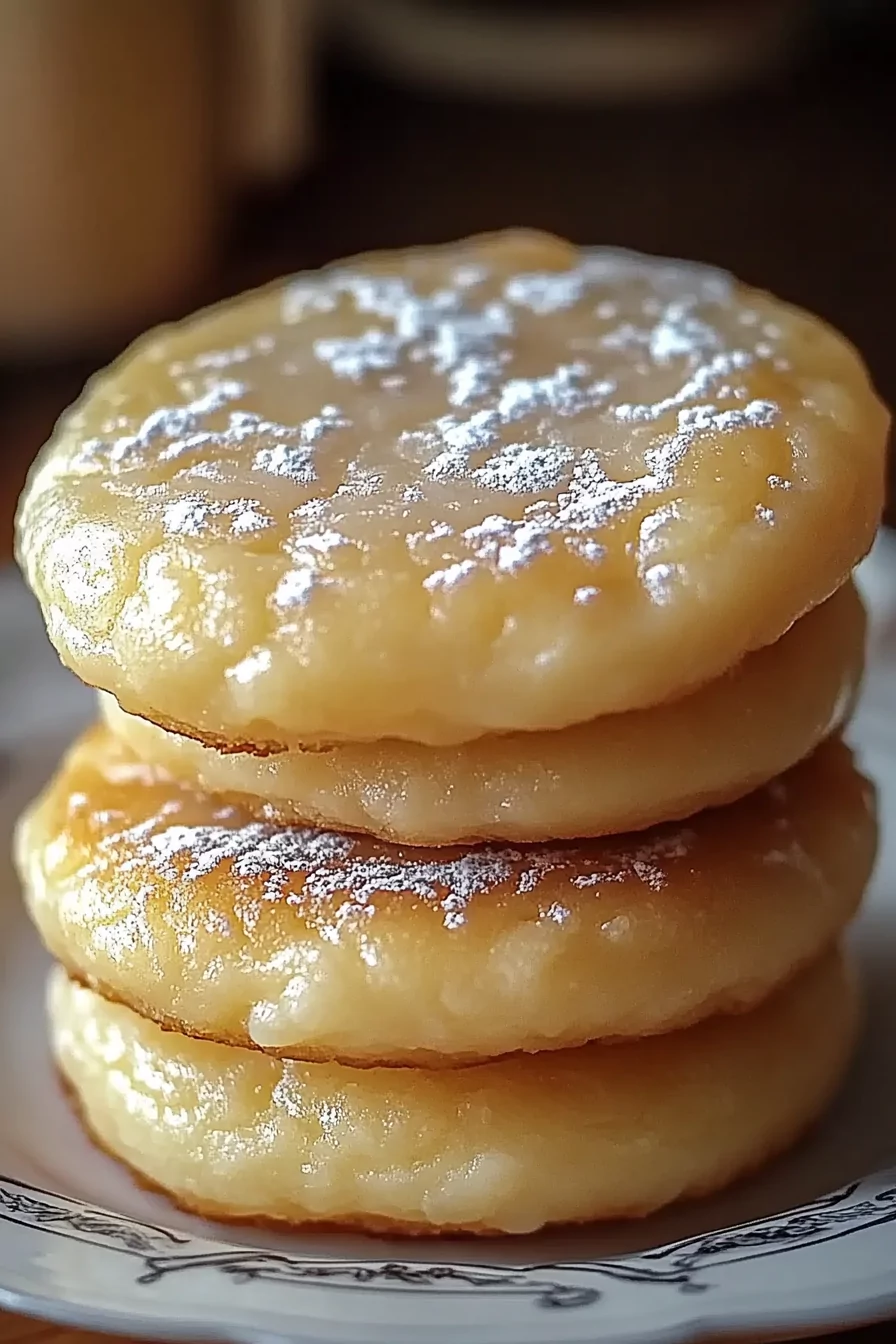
(81, 1244)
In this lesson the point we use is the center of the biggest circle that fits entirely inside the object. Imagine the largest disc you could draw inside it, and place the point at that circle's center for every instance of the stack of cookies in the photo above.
(467, 838)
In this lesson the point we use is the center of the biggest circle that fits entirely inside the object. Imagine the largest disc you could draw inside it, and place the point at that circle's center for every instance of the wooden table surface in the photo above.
(16, 1329)
(793, 189)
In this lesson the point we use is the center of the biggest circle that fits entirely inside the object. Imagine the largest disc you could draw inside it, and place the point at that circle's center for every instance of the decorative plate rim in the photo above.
(861, 1207)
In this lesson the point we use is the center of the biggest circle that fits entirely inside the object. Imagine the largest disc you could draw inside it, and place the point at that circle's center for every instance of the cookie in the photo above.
(318, 945)
(566, 1136)
(499, 486)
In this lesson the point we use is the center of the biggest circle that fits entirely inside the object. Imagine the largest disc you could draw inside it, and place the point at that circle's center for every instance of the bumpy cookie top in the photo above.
(504, 484)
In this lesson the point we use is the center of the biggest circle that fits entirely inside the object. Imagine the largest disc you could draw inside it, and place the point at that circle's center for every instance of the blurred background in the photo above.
(158, 154)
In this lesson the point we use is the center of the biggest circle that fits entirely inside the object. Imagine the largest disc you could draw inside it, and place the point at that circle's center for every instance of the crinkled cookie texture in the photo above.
(599, 1132)
(197, 912)
(622, 772)
(496, 486)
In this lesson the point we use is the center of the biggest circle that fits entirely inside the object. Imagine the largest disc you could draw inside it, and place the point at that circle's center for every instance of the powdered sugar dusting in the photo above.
(308, 553)
(546, 291)
(562, 392)
(293, 452)
(324, 866)
(522, 470)
(287, 451)
(451, 576)
(519, 468)
(172, 427)
(355, 356)
(437, 330)
(295, 587)
(528, 396)
(188, 516)
(647, 861)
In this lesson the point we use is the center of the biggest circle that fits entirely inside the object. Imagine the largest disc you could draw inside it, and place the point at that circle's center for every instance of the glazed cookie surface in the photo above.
(598, 1132)
(495, 486)
(619, 773)
(313, 944)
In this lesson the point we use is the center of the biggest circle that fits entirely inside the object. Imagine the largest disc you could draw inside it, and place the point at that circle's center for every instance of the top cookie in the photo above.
(500, 485)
